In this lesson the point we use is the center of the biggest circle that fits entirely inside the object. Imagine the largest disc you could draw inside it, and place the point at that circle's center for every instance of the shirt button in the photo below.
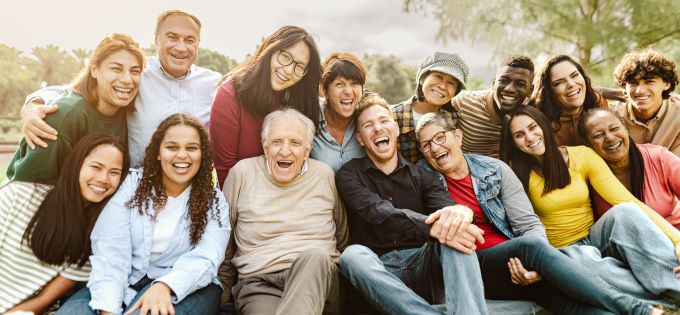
(389, 198)
(395, 242)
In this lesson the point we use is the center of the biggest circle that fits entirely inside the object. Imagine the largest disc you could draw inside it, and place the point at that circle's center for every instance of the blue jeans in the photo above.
(408, 281)
(633, 254)
(203, 301)
(567, 287)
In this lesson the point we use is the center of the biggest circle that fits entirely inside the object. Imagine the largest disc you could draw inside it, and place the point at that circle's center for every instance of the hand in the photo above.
(674, 97)
(34, 126)
(521, 276)
(450, 220)
(464, 240)
(157, 300)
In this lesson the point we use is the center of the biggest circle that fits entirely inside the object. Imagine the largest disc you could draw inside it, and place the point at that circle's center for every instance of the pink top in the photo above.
(661, 188)
(234, 132)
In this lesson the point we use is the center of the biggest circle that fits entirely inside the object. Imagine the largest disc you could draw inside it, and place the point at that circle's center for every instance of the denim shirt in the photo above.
(329, 151)
(121, 247)
(487, 181)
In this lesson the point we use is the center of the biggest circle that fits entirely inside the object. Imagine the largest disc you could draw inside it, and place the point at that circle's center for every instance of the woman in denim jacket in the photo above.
(513, 235)
(159, 241)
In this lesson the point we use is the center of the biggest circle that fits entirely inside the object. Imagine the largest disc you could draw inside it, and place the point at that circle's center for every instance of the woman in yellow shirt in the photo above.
(556, 180)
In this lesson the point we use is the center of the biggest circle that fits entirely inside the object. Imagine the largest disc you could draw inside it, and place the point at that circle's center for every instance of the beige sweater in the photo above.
(272, 224)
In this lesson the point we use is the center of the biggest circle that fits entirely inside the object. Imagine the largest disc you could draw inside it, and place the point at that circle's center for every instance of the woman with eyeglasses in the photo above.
(284, 71)
(557, 179)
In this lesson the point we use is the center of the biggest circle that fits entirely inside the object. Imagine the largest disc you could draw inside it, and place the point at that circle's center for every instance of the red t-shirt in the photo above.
(463, 193)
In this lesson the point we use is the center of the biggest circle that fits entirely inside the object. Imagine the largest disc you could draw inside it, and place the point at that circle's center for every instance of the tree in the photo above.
(387, 76)
(17, 81)
(82, 56)
(215, 61)
(596, 32)
(53, 65)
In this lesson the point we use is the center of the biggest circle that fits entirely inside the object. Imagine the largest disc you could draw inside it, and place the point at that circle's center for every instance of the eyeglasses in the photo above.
(284, 58)
(439, 138)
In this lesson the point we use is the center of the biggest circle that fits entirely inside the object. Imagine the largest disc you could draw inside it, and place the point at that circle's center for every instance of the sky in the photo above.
(234, 28)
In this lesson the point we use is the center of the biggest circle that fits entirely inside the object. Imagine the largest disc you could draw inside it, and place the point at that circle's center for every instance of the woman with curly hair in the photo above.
(557, 179)
(45, 244)
(284, 71)
(650, 113)
(157, 244)
(563, 92)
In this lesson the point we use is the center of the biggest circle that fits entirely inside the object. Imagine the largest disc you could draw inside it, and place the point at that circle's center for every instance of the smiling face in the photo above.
(568, 86)
(180, 158)
(608, 136)
(439, 88)
(377, 132)
(646, 95)
(342, 97)
(511, 87)
(177, 44)
(286, 150)
(527, 135)
(283, 77)
(446, 157)
(100, 173)
(118, 77)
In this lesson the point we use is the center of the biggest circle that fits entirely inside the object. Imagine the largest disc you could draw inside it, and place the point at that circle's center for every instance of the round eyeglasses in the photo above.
(439, 138)
(285, 59)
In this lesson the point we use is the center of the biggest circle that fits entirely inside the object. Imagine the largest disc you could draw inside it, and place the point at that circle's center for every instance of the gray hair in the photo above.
(287, 114)
(437, 118)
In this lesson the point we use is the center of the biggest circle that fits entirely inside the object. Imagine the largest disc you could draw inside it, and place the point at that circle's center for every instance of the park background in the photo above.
(45, 43)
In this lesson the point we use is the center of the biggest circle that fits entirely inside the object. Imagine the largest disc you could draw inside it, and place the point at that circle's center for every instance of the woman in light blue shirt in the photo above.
(158, 243)
(341, 84)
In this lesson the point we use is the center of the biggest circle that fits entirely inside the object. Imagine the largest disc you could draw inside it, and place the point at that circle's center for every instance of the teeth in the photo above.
(509, 98)
(614, 147)
(438, 93)
(574, 93)
(181, 165)
(642, 98)
(441, 155)
(346, 102)
(535, 144)
(379, 139)
(281, 76)
(97, 189)
(122, 90)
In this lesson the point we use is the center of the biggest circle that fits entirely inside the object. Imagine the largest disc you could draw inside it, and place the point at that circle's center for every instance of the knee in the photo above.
(316, 256)
(356, 255)
(624, 212)
(533, 242)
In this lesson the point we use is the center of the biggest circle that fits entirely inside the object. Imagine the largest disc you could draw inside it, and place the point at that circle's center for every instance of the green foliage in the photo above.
(54, 65)
(596, 32)
(215, 61)
(390, 78)
(17, 80)
(10, 130)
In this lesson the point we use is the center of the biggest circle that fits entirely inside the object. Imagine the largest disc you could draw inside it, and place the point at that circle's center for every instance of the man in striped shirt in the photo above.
(481, 112)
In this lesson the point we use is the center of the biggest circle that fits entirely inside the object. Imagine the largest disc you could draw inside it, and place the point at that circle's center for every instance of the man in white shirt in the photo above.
(171, 83)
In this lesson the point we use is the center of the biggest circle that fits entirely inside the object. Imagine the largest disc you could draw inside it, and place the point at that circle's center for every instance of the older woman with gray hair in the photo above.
(514, 238)
(288, 222)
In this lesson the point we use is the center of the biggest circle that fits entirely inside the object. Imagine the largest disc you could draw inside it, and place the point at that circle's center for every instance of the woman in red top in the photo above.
(650, 172)
(284, 71)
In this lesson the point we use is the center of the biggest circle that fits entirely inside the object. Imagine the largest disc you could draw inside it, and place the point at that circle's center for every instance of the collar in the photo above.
(160, 66)
(660, 113)
(367, 164)
(303, 170)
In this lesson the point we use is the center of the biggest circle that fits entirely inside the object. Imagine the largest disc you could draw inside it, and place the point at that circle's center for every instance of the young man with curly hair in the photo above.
(648, 78)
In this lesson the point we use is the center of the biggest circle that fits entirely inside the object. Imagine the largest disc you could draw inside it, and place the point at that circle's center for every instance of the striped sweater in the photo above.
(22, 275)
(479, 122)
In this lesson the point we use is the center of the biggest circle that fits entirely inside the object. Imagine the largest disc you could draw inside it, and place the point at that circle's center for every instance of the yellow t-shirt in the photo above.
(567, 213)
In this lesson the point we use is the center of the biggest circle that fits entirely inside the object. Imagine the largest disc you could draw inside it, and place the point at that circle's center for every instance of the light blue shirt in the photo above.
(159, 96)
(121, 251)
(329, 151)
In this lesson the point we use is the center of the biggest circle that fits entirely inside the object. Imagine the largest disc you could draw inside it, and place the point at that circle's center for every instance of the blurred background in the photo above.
(47, 42)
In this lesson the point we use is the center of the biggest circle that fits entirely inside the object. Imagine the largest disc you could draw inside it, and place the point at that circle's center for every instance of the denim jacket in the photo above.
(511, 212)
(121, 251)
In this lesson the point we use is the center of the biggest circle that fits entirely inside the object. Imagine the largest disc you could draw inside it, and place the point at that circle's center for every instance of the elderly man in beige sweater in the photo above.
(289, 225)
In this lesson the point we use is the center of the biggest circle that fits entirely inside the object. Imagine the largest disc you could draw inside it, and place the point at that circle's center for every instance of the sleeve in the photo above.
(225, 126)
(457, 101)
(611, 189)
(47, 94)
(227, 270)
(75, 273)
(340, 218)
(518, 209)
(375, 210)
(198, 267)
(112, 251)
